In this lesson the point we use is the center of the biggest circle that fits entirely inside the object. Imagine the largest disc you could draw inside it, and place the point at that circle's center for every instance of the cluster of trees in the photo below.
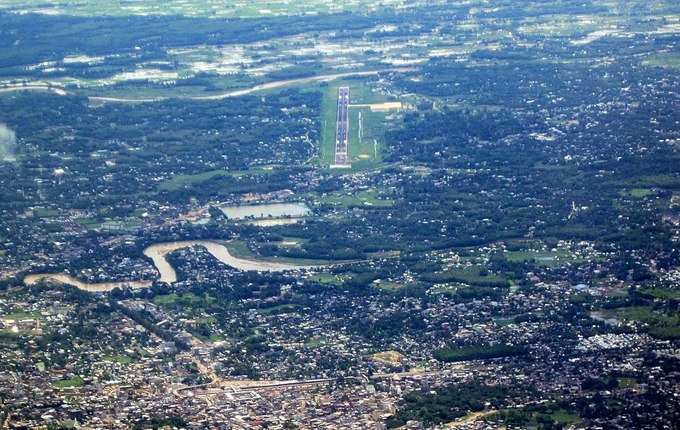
(479, 352)
(54, 37)
(450, 402)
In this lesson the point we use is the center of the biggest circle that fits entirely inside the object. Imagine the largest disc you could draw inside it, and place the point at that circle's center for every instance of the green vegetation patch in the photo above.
(659, 324)
(279, 309)
(73, 382)
(364, 199)
(45, 212)
(548, 416)
(653, 181)
(638, 193)
(180, 182)
(449, 403)
(119, 358)
(316, 342)
(627, 382)
(186, 300)
(669, 60)
(327, 278)
(480, 352)
(21, 315)
(661, 293)
(183, 181)
(389, 286)
(474, 275)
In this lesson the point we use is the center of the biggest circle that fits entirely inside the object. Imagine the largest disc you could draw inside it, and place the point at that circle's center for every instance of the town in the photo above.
(408, 215)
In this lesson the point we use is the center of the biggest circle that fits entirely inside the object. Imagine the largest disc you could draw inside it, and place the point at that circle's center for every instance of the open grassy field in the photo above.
(20, 315)
(363, 198)
(638, 193)
(389, 286)
(662, 293)
(73, 382)
(179, 182)
(473, 275)
(659, 324)
(327, 278)
(118, 358)
(186, 300)
(663, 59)
(315, 342)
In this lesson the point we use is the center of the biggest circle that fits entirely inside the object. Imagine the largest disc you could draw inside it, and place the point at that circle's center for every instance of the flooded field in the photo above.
(273, 210)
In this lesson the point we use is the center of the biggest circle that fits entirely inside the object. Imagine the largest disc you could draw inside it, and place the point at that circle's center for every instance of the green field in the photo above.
(662, 293)
(659, 324)
(480, 352)
(187, 300)
(389, 287)
(278, 309)
(363, 198)
(638, 193)
(74, 382)
(21, 315)
(118, 358)
(666, 59)
(315, 342)
(474, 275)
(185, 181)
(179, 182)
(327, 278)
(240, 249)
(531, 417)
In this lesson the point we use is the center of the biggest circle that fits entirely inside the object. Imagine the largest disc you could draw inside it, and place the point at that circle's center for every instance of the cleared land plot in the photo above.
(388, 357)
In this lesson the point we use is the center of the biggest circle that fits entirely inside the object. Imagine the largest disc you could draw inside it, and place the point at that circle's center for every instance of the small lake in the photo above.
(272, 210)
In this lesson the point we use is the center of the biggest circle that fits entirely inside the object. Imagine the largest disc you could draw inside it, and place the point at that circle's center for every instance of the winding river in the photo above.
(63, 278)
(157, 253)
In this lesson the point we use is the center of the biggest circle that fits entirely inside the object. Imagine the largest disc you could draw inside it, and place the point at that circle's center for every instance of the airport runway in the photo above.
(342, 129)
